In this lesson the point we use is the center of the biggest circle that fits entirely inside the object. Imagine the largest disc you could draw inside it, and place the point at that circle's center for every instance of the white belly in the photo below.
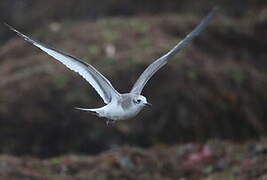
(114, 112)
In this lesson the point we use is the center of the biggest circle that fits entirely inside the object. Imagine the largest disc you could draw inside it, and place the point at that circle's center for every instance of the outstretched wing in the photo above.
(102, 86)
(156, 65)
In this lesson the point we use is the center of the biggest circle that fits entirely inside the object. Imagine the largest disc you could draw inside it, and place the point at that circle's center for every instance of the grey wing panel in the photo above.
(147, 74)
(155, 66)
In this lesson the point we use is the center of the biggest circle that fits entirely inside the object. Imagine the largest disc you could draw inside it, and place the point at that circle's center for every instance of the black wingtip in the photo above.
(9, 26)
(12, 29)
(26, 38)
(6, 24)
(213, 11)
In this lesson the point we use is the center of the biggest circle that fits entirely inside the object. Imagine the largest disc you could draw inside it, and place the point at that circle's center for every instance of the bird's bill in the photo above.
(148, 104)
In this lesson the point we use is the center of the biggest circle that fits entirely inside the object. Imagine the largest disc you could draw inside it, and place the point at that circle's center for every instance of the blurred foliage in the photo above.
(215, 88)
(28, 14)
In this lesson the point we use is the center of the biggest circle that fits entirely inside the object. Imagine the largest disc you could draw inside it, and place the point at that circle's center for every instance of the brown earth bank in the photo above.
(215, 88)
(214, 160)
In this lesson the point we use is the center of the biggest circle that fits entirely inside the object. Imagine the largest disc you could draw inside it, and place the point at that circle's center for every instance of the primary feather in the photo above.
(159, 63)
(88, 72)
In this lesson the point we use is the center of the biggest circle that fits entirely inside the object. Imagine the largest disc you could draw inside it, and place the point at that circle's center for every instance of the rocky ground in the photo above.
(214, 160)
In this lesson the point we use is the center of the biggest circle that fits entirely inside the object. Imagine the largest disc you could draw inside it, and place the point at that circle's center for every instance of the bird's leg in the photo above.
(110, 122)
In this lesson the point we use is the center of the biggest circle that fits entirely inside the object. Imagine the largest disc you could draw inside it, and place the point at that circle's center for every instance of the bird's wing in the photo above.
(102, 86)
(156, 65)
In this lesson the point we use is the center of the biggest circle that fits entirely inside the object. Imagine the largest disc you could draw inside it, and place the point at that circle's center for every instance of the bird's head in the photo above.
(141, 101)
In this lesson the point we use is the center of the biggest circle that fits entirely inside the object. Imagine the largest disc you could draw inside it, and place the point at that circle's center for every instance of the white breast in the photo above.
(115, 112)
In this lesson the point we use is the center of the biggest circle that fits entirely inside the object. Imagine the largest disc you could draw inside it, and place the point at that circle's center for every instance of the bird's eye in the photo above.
(138, 101)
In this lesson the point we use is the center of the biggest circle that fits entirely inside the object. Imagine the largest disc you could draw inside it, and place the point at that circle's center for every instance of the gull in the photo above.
(119, 106)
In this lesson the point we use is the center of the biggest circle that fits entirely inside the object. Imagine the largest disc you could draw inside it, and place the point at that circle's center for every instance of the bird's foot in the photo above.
(110, 122)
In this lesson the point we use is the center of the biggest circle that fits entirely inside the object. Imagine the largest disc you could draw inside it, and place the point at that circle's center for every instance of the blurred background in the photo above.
(212, 94)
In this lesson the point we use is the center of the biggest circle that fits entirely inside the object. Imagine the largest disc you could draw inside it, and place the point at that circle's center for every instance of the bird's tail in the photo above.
(92, 111)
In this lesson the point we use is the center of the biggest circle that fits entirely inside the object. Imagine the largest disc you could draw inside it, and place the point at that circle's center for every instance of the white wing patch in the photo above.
(76, 68)
(102, 86)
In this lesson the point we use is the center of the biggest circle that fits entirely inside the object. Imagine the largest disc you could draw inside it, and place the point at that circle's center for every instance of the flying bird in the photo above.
(118, 106)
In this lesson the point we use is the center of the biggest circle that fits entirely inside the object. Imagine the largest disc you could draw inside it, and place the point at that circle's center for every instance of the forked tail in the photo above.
(92, 111)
